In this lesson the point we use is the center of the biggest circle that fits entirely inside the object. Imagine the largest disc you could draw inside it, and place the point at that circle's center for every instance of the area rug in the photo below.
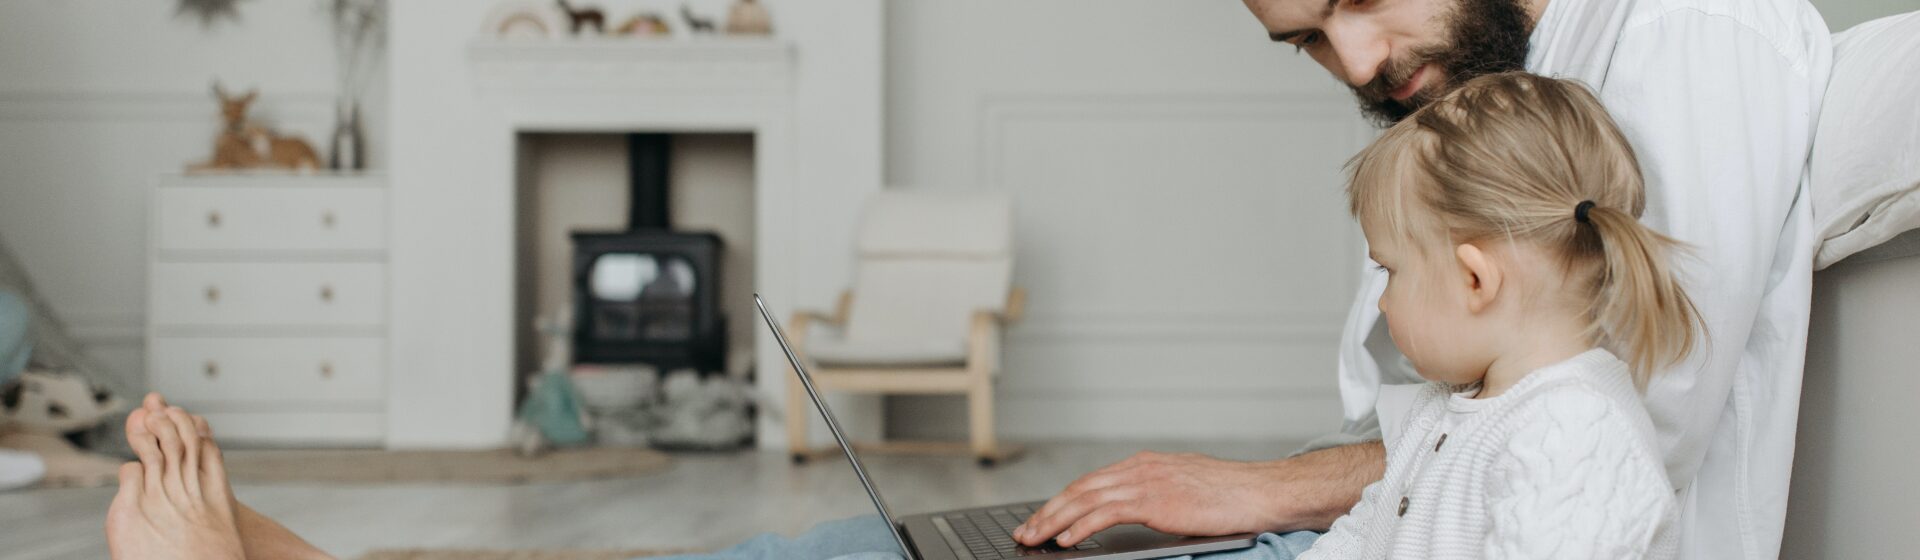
(456, 554)
(459, 467)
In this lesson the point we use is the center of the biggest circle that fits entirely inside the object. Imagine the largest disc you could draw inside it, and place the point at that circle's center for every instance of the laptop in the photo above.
(986, 533)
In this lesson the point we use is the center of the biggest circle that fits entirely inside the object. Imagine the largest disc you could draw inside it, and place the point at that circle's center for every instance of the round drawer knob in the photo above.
(327, 219)
(212, 370)
(326, 293)
(213, 294)
(213, 219)
(326, 370)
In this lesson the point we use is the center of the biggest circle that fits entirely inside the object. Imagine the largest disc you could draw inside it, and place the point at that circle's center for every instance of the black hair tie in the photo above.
(1580, 211)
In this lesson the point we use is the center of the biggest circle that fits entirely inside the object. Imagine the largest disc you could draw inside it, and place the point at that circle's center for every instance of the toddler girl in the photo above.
(1524, 287)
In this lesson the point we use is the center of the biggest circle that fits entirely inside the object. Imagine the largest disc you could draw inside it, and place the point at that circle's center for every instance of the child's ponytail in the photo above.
(1640, 306)
(1528, 158)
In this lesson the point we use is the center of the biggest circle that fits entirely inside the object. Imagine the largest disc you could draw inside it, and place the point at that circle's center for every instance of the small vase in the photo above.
(349, 147)
(748, 17)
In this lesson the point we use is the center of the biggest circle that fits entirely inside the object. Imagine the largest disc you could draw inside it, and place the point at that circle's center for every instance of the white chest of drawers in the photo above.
(267, 304)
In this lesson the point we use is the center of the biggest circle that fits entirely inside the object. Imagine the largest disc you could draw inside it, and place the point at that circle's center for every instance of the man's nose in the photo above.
(1360, 48)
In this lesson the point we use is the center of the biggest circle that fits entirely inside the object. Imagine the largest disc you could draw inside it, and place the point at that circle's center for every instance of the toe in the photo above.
(147, 447)
(171, 455)
(154, 402)
(137, 424)
(126, 502)
(189, 446)
(213, 473)
(131, 476)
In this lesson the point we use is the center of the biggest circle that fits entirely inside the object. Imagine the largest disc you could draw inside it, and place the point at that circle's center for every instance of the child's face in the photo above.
(1427, 311)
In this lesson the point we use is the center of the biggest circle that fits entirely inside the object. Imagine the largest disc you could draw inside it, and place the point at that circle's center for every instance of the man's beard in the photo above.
(1484, 37)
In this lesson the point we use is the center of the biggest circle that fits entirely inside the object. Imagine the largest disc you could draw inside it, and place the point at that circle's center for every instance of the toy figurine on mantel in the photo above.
(244, 144)
(580, 18)
(696, 24)
(645, 25)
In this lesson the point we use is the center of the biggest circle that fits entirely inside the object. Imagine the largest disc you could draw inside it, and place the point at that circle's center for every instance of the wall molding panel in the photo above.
(1188, 259)
(289, 108)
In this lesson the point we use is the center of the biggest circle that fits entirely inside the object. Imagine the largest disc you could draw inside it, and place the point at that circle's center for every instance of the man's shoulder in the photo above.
(1793, 28)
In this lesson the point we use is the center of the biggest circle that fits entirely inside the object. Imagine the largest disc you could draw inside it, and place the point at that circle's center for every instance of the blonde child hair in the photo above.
(1532, 159)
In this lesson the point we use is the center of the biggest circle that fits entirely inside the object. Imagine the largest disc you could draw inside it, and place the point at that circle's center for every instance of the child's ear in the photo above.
(1483, 276)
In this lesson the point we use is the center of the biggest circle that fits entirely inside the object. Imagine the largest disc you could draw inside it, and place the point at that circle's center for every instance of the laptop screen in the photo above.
(832, 426)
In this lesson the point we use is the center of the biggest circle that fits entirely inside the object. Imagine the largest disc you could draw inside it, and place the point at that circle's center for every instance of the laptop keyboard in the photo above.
(988, 534)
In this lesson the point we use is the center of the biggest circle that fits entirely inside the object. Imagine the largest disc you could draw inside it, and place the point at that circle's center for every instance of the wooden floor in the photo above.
(705, 501)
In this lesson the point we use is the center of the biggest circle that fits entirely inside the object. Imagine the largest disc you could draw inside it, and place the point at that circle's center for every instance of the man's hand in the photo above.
(1196, 495)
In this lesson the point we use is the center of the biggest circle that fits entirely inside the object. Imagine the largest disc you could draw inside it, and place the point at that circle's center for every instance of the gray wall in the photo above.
(1853, 491)
(1842, 14)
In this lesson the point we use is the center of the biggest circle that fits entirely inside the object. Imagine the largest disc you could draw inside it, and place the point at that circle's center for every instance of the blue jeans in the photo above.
(866, 538)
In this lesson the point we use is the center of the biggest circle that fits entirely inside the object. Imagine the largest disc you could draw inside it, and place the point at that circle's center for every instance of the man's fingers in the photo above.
(1089, 483)
(1107, 477)
(1039, 528)
(1108, 515)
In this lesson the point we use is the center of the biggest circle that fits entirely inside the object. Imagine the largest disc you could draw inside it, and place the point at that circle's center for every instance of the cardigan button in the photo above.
(1403, 506)
(1437, 444)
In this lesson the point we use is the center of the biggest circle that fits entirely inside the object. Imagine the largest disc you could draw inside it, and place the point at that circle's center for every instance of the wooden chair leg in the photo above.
(980, 420)
(799, 414)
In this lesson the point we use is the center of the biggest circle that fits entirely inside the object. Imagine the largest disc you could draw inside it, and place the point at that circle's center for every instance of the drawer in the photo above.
(268, 370)
(269, 294)
(271, 219)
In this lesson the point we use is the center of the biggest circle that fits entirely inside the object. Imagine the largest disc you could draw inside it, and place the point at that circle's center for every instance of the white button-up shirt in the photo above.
(1719, 100)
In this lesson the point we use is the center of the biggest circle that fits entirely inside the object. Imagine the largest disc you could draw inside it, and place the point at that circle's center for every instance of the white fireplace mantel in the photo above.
(458, 105)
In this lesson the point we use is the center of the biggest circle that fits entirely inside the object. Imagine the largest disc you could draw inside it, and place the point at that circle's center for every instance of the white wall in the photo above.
(1181, 230)
(97, 97)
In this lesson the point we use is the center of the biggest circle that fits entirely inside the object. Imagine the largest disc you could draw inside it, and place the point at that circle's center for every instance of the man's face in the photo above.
(1397, 55)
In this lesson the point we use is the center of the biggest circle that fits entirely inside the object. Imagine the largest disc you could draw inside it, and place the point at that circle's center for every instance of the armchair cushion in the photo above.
(930, 352)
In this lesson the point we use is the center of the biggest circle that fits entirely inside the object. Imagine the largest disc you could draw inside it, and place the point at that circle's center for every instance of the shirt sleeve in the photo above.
(1720, 118)
(1576, 482)
(1352, 535)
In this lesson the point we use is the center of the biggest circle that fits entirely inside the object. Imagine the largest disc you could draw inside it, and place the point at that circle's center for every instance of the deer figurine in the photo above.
(243, 144)
(583, 17)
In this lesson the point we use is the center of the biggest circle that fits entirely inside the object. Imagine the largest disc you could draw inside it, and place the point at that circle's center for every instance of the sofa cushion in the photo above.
(1865, 164)
(838, 352)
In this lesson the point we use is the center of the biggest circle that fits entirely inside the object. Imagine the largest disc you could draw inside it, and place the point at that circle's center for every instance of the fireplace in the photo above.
(650, 294)
(476, 153)
(650, 297)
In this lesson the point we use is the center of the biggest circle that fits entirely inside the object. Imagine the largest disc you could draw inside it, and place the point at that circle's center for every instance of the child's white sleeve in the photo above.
(1577, 482)
(1353, 534)
(1363, 532)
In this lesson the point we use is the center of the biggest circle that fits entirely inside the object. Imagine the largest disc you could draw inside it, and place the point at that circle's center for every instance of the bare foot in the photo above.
(260, 536)
(174, 503)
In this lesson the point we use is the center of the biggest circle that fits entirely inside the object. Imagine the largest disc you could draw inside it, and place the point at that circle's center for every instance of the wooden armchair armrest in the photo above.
(840, 310)
(803, 321)
(1010, 313)
(983, 338)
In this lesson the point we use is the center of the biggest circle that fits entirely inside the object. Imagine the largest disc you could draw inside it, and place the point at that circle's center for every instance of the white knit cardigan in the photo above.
(1563, 465)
